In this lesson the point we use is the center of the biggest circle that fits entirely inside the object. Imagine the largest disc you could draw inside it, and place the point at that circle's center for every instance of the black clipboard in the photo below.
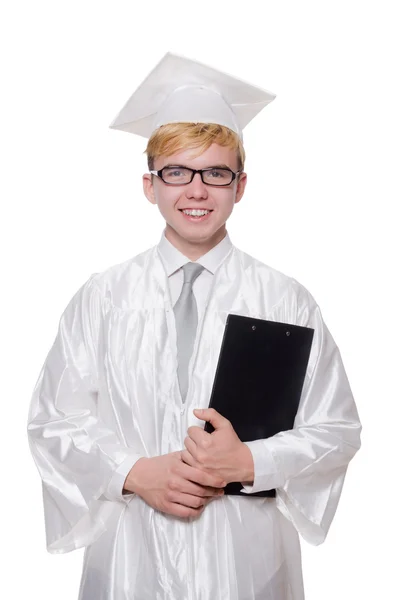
(259, 379)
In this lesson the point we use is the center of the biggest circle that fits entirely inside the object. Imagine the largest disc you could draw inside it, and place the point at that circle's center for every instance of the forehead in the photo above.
(214, 155)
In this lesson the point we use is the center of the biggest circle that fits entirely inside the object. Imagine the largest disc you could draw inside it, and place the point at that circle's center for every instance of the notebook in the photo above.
(259, 379)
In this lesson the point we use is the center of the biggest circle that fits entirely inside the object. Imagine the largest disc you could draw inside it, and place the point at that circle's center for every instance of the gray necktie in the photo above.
(185, 311)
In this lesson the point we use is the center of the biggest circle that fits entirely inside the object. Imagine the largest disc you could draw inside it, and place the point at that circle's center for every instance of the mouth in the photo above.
(194, 218)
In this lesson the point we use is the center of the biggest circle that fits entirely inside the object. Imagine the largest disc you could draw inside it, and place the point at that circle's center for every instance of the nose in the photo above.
(196, 188)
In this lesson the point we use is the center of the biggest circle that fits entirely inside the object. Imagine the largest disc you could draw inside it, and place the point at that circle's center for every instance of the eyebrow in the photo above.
(221, 166)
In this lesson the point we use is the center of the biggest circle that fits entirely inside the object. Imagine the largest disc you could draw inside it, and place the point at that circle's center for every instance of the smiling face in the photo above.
(195, 238)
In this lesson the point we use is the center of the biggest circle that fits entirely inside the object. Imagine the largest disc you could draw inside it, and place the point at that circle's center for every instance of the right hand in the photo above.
(171, 486)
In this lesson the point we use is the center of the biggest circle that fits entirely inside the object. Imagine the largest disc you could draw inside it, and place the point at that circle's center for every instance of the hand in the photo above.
(220, 453)
(171, 486)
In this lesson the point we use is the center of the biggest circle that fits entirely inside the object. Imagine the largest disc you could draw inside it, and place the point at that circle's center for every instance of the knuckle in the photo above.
(201, 456)
(174, 468)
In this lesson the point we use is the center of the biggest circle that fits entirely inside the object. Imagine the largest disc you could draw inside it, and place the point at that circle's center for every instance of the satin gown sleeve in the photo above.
(307, 465)
(81, 460)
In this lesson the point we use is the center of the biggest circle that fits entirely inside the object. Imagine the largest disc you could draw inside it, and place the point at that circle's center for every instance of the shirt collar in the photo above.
(173, 259)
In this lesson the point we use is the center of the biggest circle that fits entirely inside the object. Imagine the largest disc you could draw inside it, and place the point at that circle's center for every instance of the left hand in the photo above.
(221, 452)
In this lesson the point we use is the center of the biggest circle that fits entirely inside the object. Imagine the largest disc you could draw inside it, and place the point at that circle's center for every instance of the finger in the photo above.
(188, 459)
(202, 477)
(189, 500)
(178, 510)
(199, 436)
(183, 483)
(191, 446)
(211, 415)
(203, 491)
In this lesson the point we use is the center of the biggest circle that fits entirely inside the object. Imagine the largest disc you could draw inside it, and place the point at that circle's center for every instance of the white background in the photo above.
(321, 164)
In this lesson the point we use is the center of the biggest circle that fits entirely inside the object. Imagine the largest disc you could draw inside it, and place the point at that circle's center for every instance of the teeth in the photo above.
(196, 213)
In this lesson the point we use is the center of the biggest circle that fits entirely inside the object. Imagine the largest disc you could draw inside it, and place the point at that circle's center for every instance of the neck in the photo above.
(194, 249)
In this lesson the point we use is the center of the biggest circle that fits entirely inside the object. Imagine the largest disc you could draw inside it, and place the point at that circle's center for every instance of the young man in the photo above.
(128, 471)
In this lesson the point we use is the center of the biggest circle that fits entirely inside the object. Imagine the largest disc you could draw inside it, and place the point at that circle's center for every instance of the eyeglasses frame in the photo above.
(194, 171)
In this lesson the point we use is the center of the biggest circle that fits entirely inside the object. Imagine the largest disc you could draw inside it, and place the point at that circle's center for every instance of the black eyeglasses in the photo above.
(182, 175)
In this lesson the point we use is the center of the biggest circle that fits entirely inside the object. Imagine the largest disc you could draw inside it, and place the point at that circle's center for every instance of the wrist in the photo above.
(247, 461)
(131, 483)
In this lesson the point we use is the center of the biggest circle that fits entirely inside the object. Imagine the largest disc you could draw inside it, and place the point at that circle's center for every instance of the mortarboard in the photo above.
(180, 89)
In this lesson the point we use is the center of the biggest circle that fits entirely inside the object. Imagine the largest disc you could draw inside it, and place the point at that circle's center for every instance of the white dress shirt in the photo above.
(173, 261)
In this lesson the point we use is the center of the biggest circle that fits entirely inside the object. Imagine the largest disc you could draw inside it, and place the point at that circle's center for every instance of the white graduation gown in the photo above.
(108, 394)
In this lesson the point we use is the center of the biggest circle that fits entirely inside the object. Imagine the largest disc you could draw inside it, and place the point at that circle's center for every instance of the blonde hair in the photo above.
(176, 137)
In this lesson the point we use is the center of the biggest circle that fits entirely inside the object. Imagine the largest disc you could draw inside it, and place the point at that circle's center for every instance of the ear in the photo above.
(148, 187)
(242, 182)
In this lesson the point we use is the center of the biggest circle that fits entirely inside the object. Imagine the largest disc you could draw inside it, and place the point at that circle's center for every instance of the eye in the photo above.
(175, 172)
(218, 174)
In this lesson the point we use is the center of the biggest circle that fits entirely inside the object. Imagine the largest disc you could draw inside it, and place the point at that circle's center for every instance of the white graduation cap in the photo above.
(179, 89)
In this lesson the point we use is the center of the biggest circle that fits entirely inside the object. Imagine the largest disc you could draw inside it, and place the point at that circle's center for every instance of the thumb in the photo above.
(212, 416)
